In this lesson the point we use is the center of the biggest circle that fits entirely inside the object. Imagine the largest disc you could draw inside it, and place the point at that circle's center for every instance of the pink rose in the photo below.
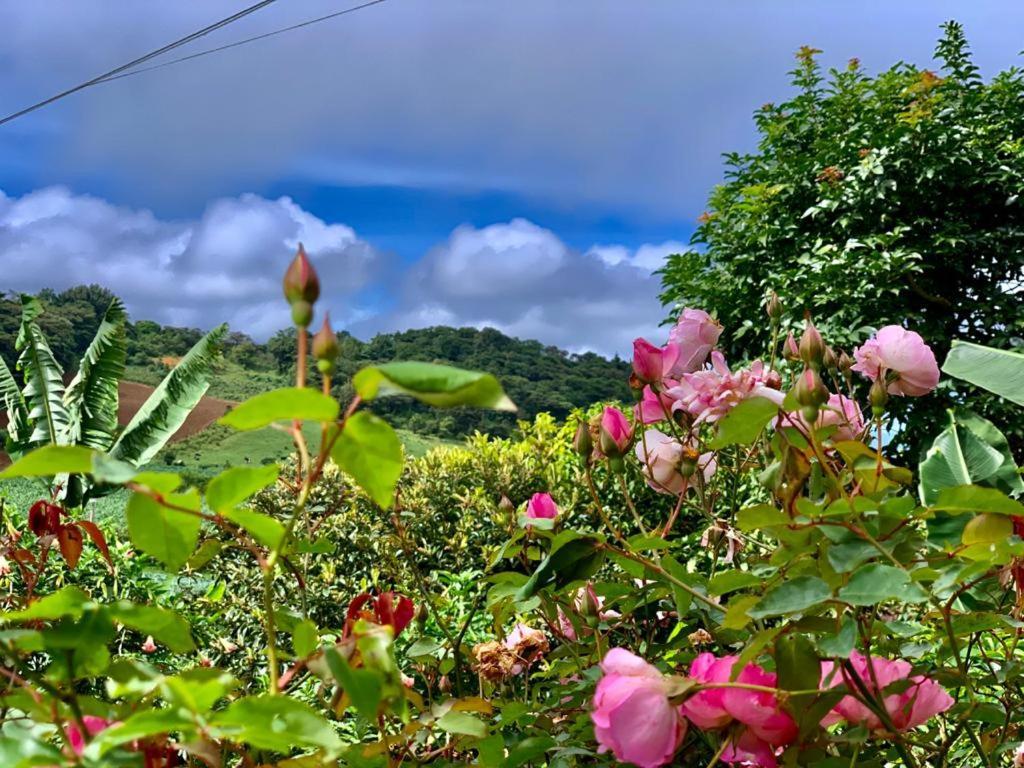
(840, 412)
(748, 750)
(541, 507)
(706, 709)
(695, 334)
(92, 724)
(662, 456)
(709, 394)
(760, 710)
(651, 363)
(917, 703)
(654, 406)
(632, 714)
(896, 351)
(616, 433)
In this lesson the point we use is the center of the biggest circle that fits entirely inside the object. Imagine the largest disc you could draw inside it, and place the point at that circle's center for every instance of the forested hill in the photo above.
(537, 377)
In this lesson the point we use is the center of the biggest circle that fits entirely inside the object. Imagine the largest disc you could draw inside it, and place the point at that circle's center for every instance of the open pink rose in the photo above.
(654, 406)
(760, 711)
(632, 715)
(651, 363)
(747, 749)
(709, 394)
(616, 432)
(695, 334)
(706, 709)
(92, 724)
(840, 412)
(917, 703)
(895, 350)
(662, 456)
(541, 507)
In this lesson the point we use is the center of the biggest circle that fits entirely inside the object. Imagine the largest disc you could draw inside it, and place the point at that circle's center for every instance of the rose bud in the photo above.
(616, 433)
(582, 442)
(879, 397)
(790, 351)
(812, 346)
(325, 347)
(811, 393)
(774, 307)
(300, 280)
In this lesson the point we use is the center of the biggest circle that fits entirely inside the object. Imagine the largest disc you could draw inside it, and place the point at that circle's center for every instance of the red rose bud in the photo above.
(812, 346)
(774, 307)
(325, 347)
(616, 433)
(300, 280)
(394, 610)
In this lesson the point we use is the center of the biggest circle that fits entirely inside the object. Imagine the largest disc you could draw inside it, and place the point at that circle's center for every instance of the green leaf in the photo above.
(165, 626)
(841, 644)
(369, 450)
(1007, 477)
(109, 470)
(744, 423)
(579, 558)
(198, 689)
(730, 581)
(168, 535)
(277, 723)
(44, 379)
(956, 457)
(439, 385)
(760, 516)
(91, 398)
(286, 404)
(233, 486)
(166, 409)
(875, 583)
(797, 664)
(974, 498)
(305, 638)
(364, 687)
(454, 721)
(264, 528)
(69, 601)
(52, 460)
(19, 428)
(791, 596)
(140, 725)
(997, 370)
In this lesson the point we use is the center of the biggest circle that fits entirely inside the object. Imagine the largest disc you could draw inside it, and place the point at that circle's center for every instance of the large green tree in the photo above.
(874, 200)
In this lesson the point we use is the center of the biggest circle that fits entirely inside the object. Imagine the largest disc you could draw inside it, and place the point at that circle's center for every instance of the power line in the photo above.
(142, 59)
(247, 40)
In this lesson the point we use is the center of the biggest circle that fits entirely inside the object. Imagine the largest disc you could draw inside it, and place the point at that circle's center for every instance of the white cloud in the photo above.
(648, 256)
(224, 266)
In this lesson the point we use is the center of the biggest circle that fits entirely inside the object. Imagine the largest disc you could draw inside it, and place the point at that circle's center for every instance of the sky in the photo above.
(521, 165)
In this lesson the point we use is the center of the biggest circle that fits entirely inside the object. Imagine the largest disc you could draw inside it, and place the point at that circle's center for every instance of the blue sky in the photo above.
(522, 165)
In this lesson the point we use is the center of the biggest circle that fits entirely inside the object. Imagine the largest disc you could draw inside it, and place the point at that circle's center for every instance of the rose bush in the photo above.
(732, 571)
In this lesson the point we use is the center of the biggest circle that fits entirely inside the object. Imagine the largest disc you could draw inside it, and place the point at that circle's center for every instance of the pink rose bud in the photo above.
(650, 363)
(632, 715)
(811, 393)
(149, 646)
(93, 725)
(901, 359)
(325, 347)
(541, 507)
(812, 346)
(695, 333)
(790, 351)
(300, 280)
(616, 433)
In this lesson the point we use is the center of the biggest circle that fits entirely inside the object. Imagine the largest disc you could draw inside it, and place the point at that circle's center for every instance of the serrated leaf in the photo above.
(233, 486)
(745, 422)
(370, 451)
(792, 596)
(439, 385)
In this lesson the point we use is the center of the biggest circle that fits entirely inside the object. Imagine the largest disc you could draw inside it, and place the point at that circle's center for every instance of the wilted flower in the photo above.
(632, 715)
(493, 661)
(695, 334)
(901, 359)
(719, 531)
(528, 645)
(1018, 756)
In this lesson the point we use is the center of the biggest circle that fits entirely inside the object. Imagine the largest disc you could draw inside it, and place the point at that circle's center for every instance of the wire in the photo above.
(142, 59)
(247, 40)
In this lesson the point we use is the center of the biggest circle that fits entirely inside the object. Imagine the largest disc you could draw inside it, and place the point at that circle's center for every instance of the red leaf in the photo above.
(44, 518)
(97, 538)
(397, 615)
(70, 540)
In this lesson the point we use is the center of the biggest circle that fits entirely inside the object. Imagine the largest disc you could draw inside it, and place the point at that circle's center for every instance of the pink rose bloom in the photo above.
(911, 707)
(748, 750)
(541, 507)
(661, 456)
(92, 724)
(149, 646)
(632, 715)
(695, 334)
(760, 710)
(895, 350)
(840, 412)
(708, 395)
(654, 406)
(651, 363)
(706, 709)
(616, 432)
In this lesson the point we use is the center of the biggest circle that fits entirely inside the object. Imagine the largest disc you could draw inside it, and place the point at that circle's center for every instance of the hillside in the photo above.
(538, 378)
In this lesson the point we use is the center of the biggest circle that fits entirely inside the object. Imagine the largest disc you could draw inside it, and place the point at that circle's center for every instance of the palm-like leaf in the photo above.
(167, 408)
(91, 397)
(18, 428)
(44, 383)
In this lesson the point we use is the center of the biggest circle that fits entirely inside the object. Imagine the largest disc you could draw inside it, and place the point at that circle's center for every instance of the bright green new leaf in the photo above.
(439, 385)
(305, 638)
(165, 626)
(169, 535)
(875, 583)
(743, 424)
(454, 721)
(233, 486)
(286, 404)
(277, 723)
(365, 687)
(69, 601)
(52, 460)
(264, 528)
(997, 370)
(974, 498)
(369, 450)
(791, 596)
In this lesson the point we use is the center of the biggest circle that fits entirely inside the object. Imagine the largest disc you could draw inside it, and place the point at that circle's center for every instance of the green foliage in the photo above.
(872, 200)
(996, 370)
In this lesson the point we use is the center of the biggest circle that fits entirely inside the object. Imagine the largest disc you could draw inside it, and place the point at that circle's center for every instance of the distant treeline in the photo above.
(538, 378)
